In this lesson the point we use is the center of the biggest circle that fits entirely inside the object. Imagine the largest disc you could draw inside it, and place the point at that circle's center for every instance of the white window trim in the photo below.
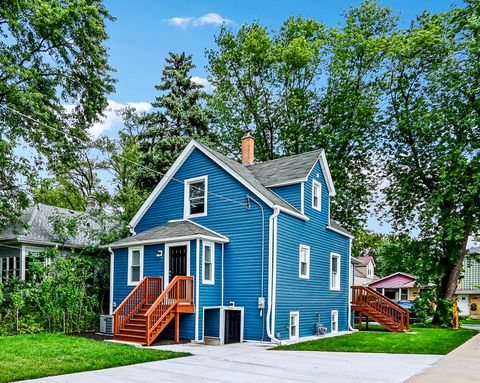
(319, 185)
(334, 312)
(212, 246)
(297, 324)
(300, 275)
(337, 287)
(186, 204)
(130, 252)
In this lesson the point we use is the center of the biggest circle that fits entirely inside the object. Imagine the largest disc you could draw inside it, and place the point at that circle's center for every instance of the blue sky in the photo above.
(145, 31)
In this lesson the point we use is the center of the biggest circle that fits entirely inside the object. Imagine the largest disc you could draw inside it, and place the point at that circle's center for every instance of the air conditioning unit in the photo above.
(106, 324)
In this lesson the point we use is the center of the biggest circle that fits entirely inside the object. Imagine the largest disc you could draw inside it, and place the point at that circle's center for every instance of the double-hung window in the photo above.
(304, 262)
(316, 195)
(294, 324)
(334, 322)
(208, 263)
(9, 268)
(135, 265)
(334, 271)
(196, 191)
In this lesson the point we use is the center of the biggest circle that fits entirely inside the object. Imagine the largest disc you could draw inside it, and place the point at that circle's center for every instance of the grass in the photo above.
(35, 356)
(421, 340)
(470, 321)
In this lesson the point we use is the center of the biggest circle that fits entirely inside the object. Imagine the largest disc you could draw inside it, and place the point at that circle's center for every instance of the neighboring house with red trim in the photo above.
(398, 287)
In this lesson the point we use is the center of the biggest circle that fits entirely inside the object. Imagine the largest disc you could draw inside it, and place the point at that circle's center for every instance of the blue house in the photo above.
(224, 252)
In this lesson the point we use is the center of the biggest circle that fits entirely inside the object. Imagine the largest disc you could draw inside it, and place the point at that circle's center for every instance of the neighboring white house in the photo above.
(468, 290)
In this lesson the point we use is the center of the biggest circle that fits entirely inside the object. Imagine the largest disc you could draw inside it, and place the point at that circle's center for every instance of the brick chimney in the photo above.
(248, 146)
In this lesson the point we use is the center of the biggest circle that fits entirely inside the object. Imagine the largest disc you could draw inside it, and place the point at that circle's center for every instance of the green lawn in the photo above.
(470, 321)
(35, 356)
(420, 340)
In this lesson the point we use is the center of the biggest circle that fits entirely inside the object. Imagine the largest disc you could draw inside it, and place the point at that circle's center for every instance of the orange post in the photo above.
(455, 316)
(177, 328)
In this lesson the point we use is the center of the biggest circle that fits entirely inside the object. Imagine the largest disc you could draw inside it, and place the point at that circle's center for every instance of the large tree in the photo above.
(179, 114)
(52, 54)
(432, 138)
(305, 87)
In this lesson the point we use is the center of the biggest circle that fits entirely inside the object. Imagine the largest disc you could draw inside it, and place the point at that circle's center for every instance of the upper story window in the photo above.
(304, 262)
(370, 270)
(334, 271)
(208, 263)
(316, 195)
(196, 191)
(135, 265)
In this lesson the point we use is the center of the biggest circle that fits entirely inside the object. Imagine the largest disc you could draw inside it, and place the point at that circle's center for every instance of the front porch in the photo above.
(162, 274)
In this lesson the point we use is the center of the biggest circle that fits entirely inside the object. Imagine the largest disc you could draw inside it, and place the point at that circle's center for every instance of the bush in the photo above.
(64, 294)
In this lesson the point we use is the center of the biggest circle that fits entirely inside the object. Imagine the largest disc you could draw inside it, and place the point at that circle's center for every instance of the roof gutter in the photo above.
(291, 212)
(340, 232)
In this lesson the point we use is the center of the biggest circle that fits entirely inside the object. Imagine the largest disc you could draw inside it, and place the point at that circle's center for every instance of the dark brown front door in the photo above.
(178, 261)
(233, 322)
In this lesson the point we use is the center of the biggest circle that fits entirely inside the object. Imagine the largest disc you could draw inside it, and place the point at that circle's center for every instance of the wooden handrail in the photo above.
(146, 291)
(366, 297)
(179, 290)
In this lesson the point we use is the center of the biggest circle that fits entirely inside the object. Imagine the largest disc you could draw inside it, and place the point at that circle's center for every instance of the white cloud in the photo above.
(207, 19)
(181, 22)
(203, 82)
(110, 117)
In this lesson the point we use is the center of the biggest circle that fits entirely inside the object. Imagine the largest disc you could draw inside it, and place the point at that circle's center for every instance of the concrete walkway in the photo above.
(460, 366)
(253, 362)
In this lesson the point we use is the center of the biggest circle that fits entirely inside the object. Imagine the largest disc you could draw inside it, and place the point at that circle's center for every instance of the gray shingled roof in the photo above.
(172, 229)
(244, 172)
(339, 227)
(285, 169)
(40, 229)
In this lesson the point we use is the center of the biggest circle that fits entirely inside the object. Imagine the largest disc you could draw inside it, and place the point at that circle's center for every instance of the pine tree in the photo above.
(179, 114)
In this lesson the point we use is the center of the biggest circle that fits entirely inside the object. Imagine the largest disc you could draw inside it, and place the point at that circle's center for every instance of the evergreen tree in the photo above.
(179, 115)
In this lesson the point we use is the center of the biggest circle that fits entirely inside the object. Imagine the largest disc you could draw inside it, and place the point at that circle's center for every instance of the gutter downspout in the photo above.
(350, 275)
(272, 270)
(111, 279)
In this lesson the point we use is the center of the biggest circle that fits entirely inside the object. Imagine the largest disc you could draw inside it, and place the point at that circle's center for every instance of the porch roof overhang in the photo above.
(171, 231)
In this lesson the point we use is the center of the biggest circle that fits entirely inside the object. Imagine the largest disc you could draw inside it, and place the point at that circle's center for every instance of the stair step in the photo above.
(132, 332)
(131, 338)
(134, 326)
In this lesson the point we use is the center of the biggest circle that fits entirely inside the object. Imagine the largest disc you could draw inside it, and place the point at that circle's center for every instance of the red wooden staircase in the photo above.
(147, 310)
(381, 309)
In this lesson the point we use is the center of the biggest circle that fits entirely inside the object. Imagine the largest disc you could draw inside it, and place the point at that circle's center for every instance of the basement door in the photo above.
(233, 324)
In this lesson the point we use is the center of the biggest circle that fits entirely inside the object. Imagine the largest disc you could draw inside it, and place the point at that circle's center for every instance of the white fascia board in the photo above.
(169, 239)
(322, 158)
(287, 183)
(292, 213)
(339, 232)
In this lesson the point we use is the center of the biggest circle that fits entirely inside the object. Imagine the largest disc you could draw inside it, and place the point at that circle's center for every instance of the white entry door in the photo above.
(463, 305)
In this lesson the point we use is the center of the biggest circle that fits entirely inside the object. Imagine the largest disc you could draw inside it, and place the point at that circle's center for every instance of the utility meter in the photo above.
(261, 302)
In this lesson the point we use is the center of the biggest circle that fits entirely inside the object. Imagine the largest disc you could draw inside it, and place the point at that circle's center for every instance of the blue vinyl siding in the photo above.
(291, 194)
(242, 261)
(212, 322)
(310, 296)
(242, 257)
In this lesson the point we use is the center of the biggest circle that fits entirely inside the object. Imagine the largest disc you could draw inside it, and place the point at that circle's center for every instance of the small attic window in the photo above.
(196, 191)
(317, 195)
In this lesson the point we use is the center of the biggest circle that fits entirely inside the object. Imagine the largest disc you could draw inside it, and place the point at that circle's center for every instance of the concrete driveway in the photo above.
(252, 362)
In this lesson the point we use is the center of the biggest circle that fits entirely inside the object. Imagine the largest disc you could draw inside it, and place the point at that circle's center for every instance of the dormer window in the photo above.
(317, 195)
(370, 270)
(196, 197)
